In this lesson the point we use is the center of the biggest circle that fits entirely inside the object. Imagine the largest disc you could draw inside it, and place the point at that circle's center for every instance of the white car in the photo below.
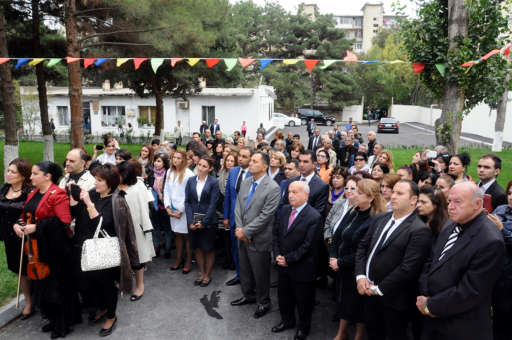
(282, 119)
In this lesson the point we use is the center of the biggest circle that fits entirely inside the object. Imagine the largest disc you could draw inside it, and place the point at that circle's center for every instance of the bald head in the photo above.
(464, 202)
(75, 161)
(298, 193)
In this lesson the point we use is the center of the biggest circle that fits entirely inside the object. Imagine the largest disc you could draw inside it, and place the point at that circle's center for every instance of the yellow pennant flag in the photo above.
(290, 61)
(36, 61)
(397, 62)
(192, 61)
(121, 61)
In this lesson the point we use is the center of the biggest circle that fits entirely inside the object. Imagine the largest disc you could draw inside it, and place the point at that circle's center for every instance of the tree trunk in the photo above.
(159, 109)
(499, 125)
(41, 86)
(449, 125)
(11, 136)
(75, 77)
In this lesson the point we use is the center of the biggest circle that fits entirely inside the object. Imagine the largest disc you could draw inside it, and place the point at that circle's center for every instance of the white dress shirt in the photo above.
(199, 187)
(308, 178)
(486, 186)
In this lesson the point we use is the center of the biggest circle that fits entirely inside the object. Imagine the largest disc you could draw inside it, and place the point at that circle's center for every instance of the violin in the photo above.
(36, 270)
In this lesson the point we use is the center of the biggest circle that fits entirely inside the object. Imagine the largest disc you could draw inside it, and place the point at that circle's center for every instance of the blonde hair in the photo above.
(278, 155)
(183, 167)
(372, 189)
(389, 162)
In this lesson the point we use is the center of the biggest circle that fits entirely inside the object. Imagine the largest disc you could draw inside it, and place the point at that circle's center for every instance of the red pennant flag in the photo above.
(71, 59)
(507, 50)
(88, 62)
(138, 61)
(4, 60)
(211, 62)
(418, 67)
(246, 61)
(350, 56)
(310, 64)
(175, 60)
(469, 63)
(490, 54)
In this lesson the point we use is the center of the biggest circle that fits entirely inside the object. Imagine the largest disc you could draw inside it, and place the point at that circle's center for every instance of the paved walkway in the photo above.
(172, 308)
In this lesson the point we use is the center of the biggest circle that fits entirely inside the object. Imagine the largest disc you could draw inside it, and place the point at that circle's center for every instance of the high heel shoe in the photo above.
(108, 331)
(181, 265)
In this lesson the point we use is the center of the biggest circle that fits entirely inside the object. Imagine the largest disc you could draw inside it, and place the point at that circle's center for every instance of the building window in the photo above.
(208, 114)
(147, 114)
(375, 25)
(347, 21)
(358, 46)
(374, 19)
(112, 115)
(63, 115)
(358, 22)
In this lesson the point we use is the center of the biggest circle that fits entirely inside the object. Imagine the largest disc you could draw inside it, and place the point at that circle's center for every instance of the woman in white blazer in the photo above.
(174, 202)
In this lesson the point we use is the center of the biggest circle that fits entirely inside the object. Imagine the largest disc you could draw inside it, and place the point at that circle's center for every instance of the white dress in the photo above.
(174, 198)
(138, 198)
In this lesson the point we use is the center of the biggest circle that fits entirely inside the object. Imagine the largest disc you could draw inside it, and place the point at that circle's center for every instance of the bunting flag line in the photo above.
(155, 63)
(350, 56)
(100, 61)
(230, 63)
(53, 61)
(328, 63)
(290, 61)
(441, 68)
(418, 67)
(36, 61)
(211, 62)
(138, 61)
(121, 61)
(264, 63)
(70, 60)
(192, 61)
(4, 60)
(174, 61)
(245, 61)
(21, 62)
(310, 64)
(369, 62)
(88, 62)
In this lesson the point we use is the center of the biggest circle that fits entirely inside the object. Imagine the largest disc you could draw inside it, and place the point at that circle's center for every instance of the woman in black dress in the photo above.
(201, 195)
(342, 252)
(13, 195)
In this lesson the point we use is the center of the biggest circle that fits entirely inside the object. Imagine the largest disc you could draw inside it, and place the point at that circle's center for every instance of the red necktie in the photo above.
(292, 218)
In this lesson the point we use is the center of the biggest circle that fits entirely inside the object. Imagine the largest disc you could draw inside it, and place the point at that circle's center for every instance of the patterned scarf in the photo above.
(158, 174)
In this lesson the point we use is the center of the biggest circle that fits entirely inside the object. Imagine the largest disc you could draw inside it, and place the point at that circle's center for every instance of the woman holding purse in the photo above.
(107, 205)
(201, 195)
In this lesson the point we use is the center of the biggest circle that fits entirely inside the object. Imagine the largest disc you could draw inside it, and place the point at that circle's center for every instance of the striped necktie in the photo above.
(451, 241)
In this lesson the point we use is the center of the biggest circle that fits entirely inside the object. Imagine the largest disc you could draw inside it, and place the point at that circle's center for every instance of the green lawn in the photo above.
(34, 151)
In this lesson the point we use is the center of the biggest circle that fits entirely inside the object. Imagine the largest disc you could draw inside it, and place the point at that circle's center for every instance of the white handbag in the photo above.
(100, 253)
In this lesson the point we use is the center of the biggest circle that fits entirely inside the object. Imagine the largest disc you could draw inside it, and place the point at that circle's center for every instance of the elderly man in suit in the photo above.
(489, 166)
(254, 215)
(315, 140)
(235, 178)
(456, 284)
(389, 260)
(295, 244)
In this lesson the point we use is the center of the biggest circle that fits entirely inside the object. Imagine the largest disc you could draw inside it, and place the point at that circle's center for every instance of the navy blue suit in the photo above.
(229, 210)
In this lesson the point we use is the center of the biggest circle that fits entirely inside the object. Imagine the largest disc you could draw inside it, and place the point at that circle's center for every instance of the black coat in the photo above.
(498, 195)
(318, 194)
(396, 266)
(316, 145)
(345, 155)
(460, 286)
(206, 204)
(299, 244)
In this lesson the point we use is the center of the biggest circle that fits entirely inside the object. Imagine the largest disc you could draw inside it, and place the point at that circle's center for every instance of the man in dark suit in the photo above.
(389, 260)
(235, 178)
(203, 127)
(466, 260)
(214, 127)
(315, 141)
(347, 153)
(254, 215)
(489, 166)
(295, 241)
(310, 127)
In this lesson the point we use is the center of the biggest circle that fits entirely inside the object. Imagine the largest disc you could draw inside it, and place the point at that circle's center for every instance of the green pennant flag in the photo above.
(230, 63)
(327, 63)
(156, 62)
(441, 68)
(53, 61)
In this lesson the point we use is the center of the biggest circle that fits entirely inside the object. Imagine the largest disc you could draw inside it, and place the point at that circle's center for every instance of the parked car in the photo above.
(306, 115)
(279, 118)
(388, 124)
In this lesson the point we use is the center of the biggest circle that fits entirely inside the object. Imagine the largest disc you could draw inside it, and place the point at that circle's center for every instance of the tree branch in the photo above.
(92, 10)
(113, 43)
(121, 31)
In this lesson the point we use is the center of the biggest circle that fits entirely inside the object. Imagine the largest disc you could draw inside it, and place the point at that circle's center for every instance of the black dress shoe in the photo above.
(47, 328)
(234, 281)
(56, 335)
(261, 310)
(242, 301)
(108, 331)
(282, 326)
(300, 335)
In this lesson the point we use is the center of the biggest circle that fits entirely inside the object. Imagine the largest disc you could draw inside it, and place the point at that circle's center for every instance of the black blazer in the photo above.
(396, 266)
(318, 193)
(316, 145)
(498, 195)
(206, 205)
(460, 285)
(280, 177)
(299, 244)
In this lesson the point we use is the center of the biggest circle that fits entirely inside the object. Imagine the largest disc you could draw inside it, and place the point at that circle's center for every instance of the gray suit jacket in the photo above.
(334, 216)
(257, 221)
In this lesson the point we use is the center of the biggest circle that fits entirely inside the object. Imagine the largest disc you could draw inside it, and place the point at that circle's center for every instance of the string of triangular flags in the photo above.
(230, 63)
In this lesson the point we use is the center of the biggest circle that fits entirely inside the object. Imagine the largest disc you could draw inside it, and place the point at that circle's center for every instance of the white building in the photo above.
(104, 109)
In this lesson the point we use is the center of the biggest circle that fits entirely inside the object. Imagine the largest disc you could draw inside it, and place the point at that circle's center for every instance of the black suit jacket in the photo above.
(318, 194)
(460, 286)
(396, 266)
(206, 204)
(498, 195)
(299, 244)
(312, 146)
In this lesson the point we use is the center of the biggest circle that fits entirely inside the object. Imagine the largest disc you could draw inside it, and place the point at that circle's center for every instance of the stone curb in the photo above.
(9, 312)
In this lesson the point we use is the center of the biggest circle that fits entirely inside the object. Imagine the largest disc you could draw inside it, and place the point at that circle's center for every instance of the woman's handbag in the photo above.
(100, 253)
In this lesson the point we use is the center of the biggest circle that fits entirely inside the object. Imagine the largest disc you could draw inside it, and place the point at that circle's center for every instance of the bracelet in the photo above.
(90, 208)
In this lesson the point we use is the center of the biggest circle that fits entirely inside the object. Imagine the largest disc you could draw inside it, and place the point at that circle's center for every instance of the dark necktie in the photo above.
(451, 241)
(239, 180)
(385, 235)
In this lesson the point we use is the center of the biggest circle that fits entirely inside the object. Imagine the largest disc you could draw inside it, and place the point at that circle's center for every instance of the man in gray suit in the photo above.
(254, 215)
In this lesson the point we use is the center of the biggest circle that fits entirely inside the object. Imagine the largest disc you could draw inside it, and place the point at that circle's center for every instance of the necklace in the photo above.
(12, 189)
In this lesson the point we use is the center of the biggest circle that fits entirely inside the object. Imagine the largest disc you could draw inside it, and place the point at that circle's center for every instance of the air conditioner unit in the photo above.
(183, 105)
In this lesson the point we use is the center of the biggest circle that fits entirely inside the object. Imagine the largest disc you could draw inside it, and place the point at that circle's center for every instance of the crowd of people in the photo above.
(421, 251)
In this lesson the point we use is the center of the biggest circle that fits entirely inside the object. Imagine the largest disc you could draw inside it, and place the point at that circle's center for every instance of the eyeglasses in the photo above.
(321, 156)
(350, 188)
(359, 159)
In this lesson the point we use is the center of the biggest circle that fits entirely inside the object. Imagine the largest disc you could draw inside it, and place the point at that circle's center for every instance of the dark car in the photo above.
(306, 115)
(388, 124)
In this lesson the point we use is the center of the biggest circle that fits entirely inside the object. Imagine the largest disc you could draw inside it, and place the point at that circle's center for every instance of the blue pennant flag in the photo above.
(100, 61)
(264, 63)
(369, 61)
(22, 61)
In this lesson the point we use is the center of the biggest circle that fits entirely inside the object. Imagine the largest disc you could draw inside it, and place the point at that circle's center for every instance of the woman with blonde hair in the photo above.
(276, 168)
(387, 158)
(342, 250)
(174, 202)
(386, 188)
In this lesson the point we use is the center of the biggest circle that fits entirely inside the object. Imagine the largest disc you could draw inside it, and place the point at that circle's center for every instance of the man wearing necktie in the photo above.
(315, 140)
(295, 241)
(389, 260)
(254, 217)
(457, 282)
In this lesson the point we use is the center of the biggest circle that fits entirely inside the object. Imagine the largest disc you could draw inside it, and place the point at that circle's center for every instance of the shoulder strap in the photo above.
(96, 233)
